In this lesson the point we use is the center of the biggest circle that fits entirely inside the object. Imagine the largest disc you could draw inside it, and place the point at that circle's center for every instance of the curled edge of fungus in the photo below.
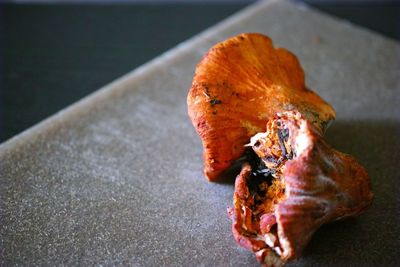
(239, 85)
(291, 185)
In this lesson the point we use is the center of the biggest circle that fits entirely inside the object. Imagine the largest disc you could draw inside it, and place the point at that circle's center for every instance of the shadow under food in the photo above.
(371, 239)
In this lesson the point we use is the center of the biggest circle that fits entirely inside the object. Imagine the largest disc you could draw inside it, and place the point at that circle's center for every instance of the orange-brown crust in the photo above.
(238, 86)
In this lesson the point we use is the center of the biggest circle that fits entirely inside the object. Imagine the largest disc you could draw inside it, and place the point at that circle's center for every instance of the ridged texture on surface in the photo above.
(117, 178)
(321, 185)
(240, 84)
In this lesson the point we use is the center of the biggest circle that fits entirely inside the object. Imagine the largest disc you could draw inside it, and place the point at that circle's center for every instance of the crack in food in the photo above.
(266, 157)
(215, 101)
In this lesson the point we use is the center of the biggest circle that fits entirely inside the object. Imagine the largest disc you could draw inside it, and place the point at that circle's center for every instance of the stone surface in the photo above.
(116, 179)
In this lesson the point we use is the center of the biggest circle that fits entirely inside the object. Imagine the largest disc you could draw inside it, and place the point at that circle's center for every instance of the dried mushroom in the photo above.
(294, 182)
(238, 86)
(248, 102)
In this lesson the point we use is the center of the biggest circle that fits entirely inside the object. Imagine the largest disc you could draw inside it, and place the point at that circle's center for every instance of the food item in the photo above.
(295, 183)
(249, 104)
(238, 86)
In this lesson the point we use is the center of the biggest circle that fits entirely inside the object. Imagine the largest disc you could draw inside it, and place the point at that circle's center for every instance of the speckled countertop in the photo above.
(116, 179)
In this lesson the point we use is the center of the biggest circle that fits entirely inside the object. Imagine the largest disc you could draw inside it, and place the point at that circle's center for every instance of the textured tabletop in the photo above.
(116, 178)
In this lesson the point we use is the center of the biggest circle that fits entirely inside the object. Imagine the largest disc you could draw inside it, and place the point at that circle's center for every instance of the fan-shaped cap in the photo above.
(238, 86)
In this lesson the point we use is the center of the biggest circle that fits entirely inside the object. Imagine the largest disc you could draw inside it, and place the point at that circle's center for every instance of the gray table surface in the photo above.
(116, 178)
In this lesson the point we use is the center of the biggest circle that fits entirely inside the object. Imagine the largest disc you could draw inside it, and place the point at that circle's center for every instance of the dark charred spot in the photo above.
(234, 94)
(283, 135)
(271, 158)
(214, 112)
(260, 174)
(241, 38)
(215, 101)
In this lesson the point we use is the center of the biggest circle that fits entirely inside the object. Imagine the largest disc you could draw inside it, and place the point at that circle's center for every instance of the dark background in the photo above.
(51, 55)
